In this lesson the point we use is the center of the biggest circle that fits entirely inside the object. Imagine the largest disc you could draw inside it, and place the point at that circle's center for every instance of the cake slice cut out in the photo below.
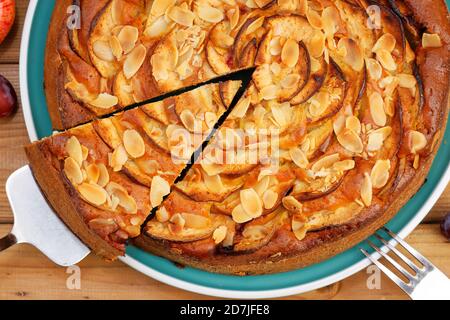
(104, 178)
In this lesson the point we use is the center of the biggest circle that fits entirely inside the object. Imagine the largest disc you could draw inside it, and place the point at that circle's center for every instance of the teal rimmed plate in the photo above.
(265, 286)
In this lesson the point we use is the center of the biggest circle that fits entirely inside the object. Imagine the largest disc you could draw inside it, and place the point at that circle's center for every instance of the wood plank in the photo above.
(27, 274)
(10, 48)
(13, 136)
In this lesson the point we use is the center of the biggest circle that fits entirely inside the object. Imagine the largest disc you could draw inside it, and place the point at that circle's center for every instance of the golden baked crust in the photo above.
(280, 249)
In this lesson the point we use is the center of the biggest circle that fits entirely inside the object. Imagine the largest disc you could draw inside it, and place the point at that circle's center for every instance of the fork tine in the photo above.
(410, 249)
(400, 255)
(396, 265)
(404, 286)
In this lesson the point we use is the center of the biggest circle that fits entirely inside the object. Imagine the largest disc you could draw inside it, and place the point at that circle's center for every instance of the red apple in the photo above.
(7, 15)
(8, 98)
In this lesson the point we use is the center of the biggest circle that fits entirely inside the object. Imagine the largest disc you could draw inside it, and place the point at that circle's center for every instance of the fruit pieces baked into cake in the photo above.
(356, 92)
(105, 177)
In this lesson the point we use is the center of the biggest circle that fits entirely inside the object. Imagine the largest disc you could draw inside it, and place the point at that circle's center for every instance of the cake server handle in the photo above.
(36, 223)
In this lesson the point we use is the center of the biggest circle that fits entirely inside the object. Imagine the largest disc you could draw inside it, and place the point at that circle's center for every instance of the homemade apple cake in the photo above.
(335, 132)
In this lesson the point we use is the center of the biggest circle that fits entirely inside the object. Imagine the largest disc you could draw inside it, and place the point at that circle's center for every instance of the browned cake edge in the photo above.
(280, 255)
(57, 193)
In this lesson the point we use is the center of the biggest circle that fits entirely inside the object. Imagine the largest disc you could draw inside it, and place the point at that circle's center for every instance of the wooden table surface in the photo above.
(26, 274)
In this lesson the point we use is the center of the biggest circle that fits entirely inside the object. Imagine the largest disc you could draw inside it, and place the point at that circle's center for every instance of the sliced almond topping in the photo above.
(212, 169)
(189, 121)
(251, 203)
(293, 205)
(386, 60)
(239, 215)
(73, 171)
(325, 162)
(233, 16)
(103, 51)
(366, 190)
(103, 177)
(417, 141)
(377, 109)
(290, 53)
(213, 183)
(350, 141)
(159, 189)
(262, 185)
(431, 40)
(104, 101)
(93, 173)
(290, 81)
(195, 221)
(133, 143)
(210, 14)
(255, 25)
(159, 7)
(134, 61)
(280, 116)
(269, 92)
(84, 152)
(353, 123)
(262, 3)
(251, 4)
(319, 103)
(352, 54)
(374, 68)
(314, 19)
(92, 193)
(118, 158)
(158, 28)
(181, 16)
(299, 157)
(178, 220)
(316, 45)
(73, 149)
(269, 198)
(380, 173)
(220, 234)
(210, 119)
(128, 37)
(385, 42)
(126, 202)
(241, 108)
(375, 142)
(344, 165)
(116, 47)
(407, 81)
(162, 215)
(275, 46)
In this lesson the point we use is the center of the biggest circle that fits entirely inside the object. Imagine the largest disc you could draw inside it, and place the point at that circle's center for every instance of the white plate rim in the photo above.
(204, 290)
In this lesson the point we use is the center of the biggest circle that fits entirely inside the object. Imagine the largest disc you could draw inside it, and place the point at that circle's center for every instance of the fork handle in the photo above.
(7, 241)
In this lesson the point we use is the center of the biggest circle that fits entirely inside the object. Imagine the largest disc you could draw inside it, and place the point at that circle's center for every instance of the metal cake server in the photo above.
(36, 223)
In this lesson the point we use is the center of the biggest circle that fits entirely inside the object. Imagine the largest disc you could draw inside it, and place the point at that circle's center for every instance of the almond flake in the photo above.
(374, 68)
(344, 165)
(380, 173)
(162, 215)
(241, 108)
(416, 140)
(366, 190)
(255, 25)
(116, 47)
(386, 60)
(353, 123)
(269, 199)
(159, 189)
(251, 203)
(210, 119)
(159, 7)
(292, 205)
(103, 51)
(375, 142)
(133, 143)
(350, 141)
(407, 81)
(325, 162)
(128, 37)
(93, 173)
(178, 220)
(134, 61)
(158, 28)
(73, 149)
(73, 171)
(431, 40)
(213, 183)
(210, 14)
(239, 215)
(92, 193)
(104, 101)
(290, 53)
(119, 158)
(103, 177)
(220, 234)
(195, 221)
(351, 53)
(275, 46)
(385, 42)
(269, 92)
(189, 121)
(377, 112)
(314, 19)
(299, 157)
(290, 81)
(181, 16)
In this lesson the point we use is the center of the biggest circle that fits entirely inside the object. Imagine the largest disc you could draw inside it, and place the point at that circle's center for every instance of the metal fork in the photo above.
(428, 282)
